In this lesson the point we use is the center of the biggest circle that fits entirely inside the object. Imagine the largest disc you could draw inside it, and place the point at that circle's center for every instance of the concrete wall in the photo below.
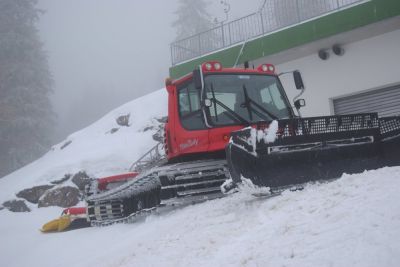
(368, 64)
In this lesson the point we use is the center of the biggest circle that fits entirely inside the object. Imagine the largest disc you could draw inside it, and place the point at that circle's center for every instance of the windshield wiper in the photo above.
(215, 101)
(233, 113)
(248, 104)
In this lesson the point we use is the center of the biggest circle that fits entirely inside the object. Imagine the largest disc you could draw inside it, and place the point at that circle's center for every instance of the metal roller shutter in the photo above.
(384, 101)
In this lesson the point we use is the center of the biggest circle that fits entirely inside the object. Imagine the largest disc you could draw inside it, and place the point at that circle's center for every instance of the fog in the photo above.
(103, 53)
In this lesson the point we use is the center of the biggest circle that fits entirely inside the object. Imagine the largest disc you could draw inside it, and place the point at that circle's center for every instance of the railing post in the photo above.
(172, 55)
(230, 33)
(199, 44)
(223, 35)
(298, 11)
(262, 22)
(337, 1)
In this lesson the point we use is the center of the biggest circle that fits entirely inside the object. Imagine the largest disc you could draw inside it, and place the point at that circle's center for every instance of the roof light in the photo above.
(267, 68)
(211, 66)
(264, 67)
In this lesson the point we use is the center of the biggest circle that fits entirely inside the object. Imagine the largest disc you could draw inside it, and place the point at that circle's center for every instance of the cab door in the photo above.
(191, 133)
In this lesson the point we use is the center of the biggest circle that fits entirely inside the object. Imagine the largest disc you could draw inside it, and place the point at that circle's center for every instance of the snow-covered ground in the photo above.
(353, 221)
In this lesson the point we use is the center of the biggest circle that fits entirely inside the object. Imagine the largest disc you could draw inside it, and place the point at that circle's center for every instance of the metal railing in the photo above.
(275, 15)
(150, 159)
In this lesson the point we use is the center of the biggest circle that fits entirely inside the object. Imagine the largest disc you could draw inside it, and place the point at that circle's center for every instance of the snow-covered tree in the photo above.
(26, 116)
(192, 18)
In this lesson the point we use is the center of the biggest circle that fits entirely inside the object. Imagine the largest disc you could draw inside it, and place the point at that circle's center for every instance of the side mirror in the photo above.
(298, 81)
(299, 103)
(198, 83)
(207, 102)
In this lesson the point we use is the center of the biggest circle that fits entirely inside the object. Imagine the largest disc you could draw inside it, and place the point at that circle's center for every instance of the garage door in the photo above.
(384, 101)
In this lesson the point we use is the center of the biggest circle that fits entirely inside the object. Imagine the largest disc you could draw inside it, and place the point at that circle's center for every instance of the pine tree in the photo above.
(193, 18)
(26, 115)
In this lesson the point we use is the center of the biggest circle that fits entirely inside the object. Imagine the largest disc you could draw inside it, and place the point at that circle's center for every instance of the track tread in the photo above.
(147, 186)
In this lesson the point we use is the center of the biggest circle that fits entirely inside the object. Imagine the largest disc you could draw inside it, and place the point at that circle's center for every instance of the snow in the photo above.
(352, 221)
(269, 134)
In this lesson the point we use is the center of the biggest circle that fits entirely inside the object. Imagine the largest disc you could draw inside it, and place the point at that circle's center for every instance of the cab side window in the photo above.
(190, 112)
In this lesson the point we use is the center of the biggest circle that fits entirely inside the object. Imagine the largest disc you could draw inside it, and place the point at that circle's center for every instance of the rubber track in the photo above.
(131, 218)
(145, 182)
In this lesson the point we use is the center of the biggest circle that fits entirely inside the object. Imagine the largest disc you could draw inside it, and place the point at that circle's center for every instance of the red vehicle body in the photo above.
(181, 142)
(74, 211)
(102, 183)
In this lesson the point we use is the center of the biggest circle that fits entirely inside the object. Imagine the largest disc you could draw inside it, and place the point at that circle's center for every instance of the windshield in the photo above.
(250, 98)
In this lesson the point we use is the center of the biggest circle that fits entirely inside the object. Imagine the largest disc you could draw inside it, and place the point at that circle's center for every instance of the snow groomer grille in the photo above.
(308, 133)
(315, 131)
(327, 125)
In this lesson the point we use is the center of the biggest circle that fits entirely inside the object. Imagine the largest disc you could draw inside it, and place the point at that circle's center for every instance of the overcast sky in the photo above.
(103, 53)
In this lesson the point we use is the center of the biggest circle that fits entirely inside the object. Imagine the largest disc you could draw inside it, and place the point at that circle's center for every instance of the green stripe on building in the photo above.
(300, 34)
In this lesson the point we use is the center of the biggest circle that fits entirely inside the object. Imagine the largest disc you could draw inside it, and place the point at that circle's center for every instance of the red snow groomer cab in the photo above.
(206, 106)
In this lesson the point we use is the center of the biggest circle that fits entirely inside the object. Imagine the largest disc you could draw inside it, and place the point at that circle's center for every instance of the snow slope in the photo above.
(354, 221)
(95, 149)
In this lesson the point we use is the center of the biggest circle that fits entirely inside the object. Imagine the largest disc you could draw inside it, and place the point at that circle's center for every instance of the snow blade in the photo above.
(311, 149)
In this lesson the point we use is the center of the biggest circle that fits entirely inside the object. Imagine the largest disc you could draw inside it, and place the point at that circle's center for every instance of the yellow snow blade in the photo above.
(59, 224)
